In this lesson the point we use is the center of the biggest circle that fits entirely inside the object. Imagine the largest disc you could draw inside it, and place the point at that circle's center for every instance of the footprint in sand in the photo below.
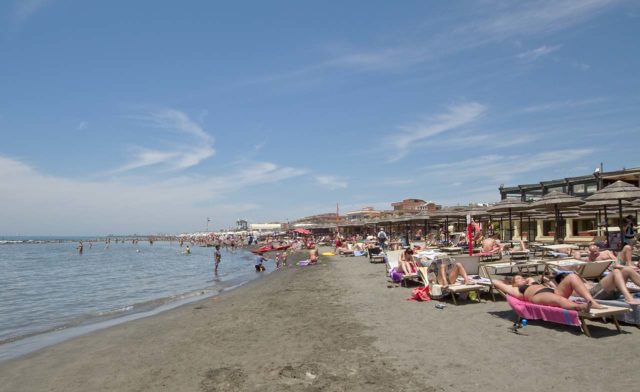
(223, 379)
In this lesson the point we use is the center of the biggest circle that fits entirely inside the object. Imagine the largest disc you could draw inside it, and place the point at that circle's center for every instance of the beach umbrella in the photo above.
(509, 205)
(555, 200)
(302, 231)
(615, 194)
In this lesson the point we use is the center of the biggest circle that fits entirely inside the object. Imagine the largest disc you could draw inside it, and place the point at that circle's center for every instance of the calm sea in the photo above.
(46, 287)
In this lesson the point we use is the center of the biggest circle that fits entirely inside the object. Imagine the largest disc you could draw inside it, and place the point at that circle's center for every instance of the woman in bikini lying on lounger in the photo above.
(529, 290)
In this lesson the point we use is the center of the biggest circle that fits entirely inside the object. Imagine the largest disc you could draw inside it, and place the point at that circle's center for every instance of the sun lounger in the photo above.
(531, 311)
(376, 255)
(630, 317)
(453, 250)
(593, 270)
(453, 289)
(519, 255)
(494, 255)
(394, 273)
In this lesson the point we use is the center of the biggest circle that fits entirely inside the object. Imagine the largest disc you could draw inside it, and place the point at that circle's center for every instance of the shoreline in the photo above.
(25, 345)
(17, 346)
(338, 325)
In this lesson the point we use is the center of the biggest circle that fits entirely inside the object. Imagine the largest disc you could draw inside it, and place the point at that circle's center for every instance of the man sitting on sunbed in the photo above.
(623, 258)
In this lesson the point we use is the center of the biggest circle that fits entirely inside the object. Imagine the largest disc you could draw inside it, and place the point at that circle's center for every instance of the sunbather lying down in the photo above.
(612, 286)
(528, 289)
(492, 244)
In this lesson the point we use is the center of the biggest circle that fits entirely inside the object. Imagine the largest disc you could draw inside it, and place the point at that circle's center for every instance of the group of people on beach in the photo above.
(556, 291)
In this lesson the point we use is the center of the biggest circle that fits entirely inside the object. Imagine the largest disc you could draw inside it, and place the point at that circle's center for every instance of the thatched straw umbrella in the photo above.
(554, 200)
(508, 205)
(615, 194)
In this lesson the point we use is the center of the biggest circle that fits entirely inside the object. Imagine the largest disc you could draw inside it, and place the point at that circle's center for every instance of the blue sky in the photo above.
(147, 116)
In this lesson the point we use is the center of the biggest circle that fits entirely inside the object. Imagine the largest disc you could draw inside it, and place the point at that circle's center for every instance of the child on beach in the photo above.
(259, 263)
(283, 258)
(277, 260)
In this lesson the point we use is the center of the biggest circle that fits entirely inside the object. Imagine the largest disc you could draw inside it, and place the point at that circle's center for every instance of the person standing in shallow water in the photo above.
(217, 256)
(80, 247)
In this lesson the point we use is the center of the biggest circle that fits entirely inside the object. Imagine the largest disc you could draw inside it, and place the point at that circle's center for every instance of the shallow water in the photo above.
(49, 286)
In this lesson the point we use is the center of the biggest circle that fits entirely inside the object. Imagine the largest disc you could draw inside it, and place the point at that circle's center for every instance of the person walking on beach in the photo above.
(217, 256)
(382, 238)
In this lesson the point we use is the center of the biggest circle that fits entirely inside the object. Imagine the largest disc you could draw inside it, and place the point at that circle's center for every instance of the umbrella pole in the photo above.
(446, 230)
(425, 231)
(521, 226)
(510, 227)
(557, 233)
(620, 216)
(606, 225)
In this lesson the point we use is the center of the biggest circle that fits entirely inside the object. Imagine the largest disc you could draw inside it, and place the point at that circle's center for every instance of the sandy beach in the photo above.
(337, 326)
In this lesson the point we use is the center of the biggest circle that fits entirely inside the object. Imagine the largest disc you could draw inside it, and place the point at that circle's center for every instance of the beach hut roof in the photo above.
(619, 190)
(557, 199)
(449, 212)
(509, 204)
(599, 204)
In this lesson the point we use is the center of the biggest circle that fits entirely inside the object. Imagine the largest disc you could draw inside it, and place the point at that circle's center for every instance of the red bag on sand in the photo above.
(420, 294)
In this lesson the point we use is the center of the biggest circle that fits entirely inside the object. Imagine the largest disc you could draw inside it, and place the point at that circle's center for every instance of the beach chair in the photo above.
(392, 261)
(425, 273)
(593, 270)
(376, 255)
(494, 255)
(519, 255)
(530, 311)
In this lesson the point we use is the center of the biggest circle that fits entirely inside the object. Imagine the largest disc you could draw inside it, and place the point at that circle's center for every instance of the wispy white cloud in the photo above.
(494, 140)
(82, 125)
(488, 25)
(44, 203)
(24, 9)
(199, 148)
(559, 105)
(581, 66)
(455, 117)
(545, 16)
(332, 182)
(534, 54)
(502, 168)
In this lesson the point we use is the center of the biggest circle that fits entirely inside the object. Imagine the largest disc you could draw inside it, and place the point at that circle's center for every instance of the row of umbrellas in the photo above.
(617, 194)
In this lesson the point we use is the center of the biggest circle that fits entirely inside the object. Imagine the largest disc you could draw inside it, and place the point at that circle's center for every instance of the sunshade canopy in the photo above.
(619, 190)
(557, 199)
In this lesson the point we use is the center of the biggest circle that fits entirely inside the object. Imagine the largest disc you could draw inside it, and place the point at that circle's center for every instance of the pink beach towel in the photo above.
(553, 314)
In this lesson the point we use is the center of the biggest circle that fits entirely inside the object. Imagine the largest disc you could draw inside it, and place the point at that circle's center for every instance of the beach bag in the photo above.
(435, 290)
(420, 294)
(395, 276)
